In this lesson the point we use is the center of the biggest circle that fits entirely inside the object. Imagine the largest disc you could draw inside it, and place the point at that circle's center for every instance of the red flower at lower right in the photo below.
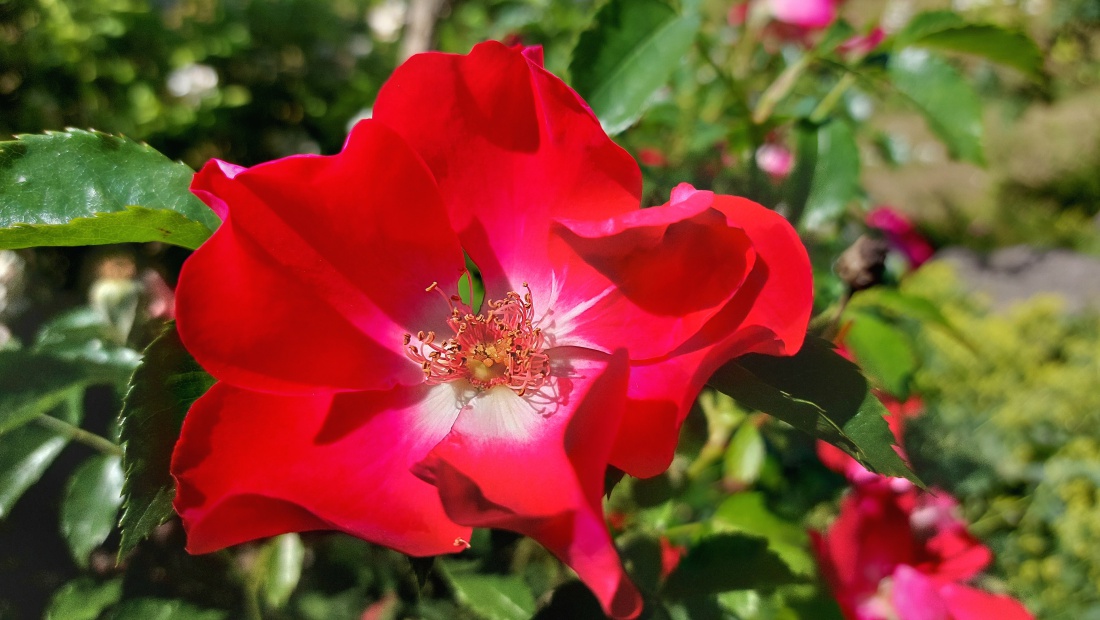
(898, 553)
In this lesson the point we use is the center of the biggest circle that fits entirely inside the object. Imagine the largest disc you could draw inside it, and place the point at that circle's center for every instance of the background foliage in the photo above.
(1010, 421)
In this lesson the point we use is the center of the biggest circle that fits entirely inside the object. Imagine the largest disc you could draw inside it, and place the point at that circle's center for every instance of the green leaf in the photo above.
(161, 391)
(32, 383)
(163, 609)
(947, 101)
(630, 51)
(85, 187)
(283, 569)
(84, 599)
(829, 180)
(727, 561)
(884, 351)
(747, 513)
(27, 451)
(493, 597)
(893, 303)
(85, 336)
(820, 393)
(744, 457)
(90, 506)
(925, 24)
(948, 31)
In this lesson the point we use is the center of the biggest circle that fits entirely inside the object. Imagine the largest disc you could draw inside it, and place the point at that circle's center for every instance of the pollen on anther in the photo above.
(501, 346)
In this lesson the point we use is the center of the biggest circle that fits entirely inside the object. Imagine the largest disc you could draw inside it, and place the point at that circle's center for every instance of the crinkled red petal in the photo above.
(319, 268)
(512, 147)
(250, 465)
(541, 474)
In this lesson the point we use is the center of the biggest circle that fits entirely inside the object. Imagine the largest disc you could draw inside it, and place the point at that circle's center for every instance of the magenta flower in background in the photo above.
(775, 160)
(901, 234)
(898, 553)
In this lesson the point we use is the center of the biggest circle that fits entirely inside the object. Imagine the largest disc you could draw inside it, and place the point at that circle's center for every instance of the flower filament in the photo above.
(498, 347)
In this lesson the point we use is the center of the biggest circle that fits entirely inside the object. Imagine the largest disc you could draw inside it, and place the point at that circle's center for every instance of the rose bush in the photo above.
(372, 398)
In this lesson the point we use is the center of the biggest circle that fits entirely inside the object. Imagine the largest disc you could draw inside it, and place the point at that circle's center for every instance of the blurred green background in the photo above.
(1013, 415)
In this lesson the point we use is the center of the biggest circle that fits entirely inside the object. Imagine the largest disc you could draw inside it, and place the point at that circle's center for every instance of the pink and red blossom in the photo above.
(905, 554)
(358, 392)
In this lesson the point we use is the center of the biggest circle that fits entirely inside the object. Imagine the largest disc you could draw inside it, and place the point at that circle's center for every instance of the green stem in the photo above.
(78, 434)
(832, 97)
(779, 89)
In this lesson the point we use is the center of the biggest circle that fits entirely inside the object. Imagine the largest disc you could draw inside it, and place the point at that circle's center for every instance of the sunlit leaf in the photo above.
(493, 597)
(885, 352)
(161, 391)
(947, 30)
(89, 509)
(85, 336)
(85, 187)
(163, 609)
(32, 383)
(744, 457)
(826, 175)
(630, 51)
(820, 393)
(945, 98)
(727, 561)
(284, 556)
(84, 599)
(746, 513)
(27, 451)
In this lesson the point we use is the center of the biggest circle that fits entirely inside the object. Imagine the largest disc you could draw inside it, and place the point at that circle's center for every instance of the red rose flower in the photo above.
(356, 390)
(906, 555)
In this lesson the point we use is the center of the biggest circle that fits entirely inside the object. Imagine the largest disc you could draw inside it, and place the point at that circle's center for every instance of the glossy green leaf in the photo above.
(630, 51)
(947, 30)
(161, 391)
(885, 352)
(927, 23)
(744, 456)
(84, 599)
(85, 187)
(892, 303)
(163, 609)
(89, 509)
(820, 393)
(85, 336)
(493, 597)
(32, 383)
(27, 451)
(746, 513)
(831, 176)
(283, 568)
(945, 99)
(727, 561)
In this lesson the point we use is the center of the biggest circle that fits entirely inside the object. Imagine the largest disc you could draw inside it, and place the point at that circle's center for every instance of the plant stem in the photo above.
(832, 97)
(779, 89)
(78, 434)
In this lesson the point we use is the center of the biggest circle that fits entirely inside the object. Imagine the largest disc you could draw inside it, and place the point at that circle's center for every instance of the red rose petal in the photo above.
(250, 465)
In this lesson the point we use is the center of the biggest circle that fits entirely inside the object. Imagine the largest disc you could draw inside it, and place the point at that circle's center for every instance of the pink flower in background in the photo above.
(800, 14)
(906, 555)
(809, 14)
(860, 45)
(652, 157)
(901, 234)
(776, 160)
